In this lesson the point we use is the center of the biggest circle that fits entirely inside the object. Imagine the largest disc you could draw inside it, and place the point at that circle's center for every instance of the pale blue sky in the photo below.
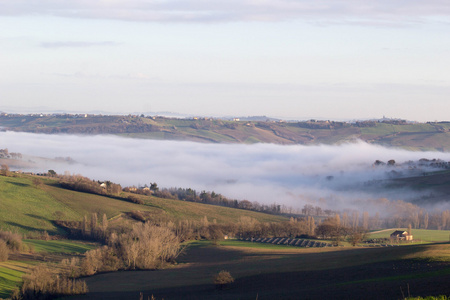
(329, 59)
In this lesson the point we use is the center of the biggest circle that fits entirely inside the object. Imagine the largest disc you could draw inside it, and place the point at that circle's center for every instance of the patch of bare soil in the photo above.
(41, 257)
(262, 279)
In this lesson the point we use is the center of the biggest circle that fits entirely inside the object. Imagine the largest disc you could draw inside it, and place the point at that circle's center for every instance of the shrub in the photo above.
(222, 279)
(137, 215)
(13, 240)
(135, 199)
(103, 259)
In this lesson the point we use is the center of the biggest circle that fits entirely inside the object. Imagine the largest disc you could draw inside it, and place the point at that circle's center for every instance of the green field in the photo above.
(60, 246)
(25, 207)
(11, 276)
(243, 244)
(418, 234)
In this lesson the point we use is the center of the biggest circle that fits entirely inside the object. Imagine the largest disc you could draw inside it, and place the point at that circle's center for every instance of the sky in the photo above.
(322, 59)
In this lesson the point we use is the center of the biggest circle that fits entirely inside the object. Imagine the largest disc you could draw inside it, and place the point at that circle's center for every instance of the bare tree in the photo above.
(355, 236)
(365, 220)
(148, 246)
(4, 170)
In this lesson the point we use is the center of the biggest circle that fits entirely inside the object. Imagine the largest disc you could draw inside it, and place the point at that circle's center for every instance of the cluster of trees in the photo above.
(393, 213)
(4, 170)
(332, 228)
(249, 227)
(400, 214)
(86, 185)
(316, 124)
(4, 153)
(310, 210)
(421, 164)
(206, 197)
(9, 243)
(243, 228)
(143, 246)
(43, 283)
(98, 230)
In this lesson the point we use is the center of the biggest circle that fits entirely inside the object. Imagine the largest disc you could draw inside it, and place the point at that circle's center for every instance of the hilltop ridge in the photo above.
(386, 132)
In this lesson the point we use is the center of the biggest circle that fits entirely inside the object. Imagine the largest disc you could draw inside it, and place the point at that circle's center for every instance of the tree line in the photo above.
(393, 213)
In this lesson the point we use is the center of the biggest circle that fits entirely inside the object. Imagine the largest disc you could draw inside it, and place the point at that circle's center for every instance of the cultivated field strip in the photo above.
(289, 241)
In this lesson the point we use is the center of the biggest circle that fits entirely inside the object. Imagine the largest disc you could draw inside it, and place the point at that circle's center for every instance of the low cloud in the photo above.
(330, 176)
(366, 12)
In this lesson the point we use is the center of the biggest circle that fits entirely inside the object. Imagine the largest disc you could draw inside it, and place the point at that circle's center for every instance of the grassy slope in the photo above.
(437, 184)
(25, 207)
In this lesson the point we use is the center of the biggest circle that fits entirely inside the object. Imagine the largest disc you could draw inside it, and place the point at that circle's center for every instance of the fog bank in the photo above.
(294, 175)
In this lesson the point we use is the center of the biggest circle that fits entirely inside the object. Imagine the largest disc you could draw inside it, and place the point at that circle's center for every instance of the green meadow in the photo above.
(11, 276)
(420, 235)
(25, 207)
(59, 246)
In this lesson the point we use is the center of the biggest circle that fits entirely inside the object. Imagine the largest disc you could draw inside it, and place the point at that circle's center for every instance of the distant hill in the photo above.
(397, 133)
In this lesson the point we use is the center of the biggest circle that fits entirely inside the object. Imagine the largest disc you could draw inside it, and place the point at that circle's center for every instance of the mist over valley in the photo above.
(344, 176)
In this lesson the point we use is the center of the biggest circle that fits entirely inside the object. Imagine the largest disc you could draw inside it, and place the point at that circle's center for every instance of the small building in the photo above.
(401, 235)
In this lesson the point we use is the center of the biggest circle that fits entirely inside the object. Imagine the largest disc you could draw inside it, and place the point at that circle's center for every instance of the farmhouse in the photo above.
(401, 235)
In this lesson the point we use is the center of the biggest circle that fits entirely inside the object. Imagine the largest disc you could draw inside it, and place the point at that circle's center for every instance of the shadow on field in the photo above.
(37, 217)
(17, 183)
(26, 228)
(350, 274)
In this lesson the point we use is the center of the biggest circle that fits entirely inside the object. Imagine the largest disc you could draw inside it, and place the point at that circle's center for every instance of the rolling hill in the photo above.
(413, 136)
(25, 207)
